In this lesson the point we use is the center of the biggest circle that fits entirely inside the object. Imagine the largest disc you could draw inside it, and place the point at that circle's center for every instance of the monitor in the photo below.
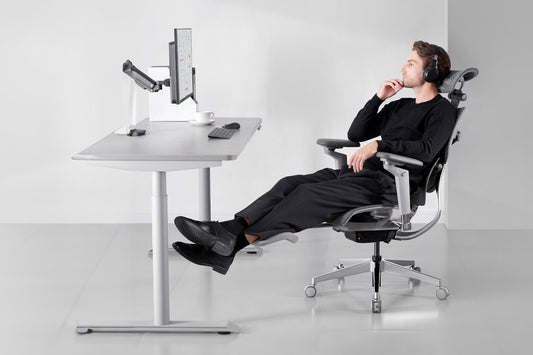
(180, 65)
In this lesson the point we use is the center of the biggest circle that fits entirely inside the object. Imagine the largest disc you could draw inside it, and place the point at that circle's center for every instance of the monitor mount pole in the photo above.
(194, 88)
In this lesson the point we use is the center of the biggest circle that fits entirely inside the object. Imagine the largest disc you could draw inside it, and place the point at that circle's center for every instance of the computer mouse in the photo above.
(232, 125)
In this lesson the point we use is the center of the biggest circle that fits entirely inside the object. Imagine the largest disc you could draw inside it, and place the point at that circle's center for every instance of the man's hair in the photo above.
(426, 52)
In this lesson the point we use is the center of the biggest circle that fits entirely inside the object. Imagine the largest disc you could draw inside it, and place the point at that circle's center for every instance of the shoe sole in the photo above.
(216, 246)
(220, 269)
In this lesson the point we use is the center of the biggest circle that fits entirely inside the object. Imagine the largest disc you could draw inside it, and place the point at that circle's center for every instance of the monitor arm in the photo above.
(147, 83)
(141, 79)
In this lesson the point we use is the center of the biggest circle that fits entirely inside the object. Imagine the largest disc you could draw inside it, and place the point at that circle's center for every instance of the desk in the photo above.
(168, 146)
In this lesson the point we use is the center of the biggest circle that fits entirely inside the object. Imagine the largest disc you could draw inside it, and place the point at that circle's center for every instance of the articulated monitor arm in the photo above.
(143, 80)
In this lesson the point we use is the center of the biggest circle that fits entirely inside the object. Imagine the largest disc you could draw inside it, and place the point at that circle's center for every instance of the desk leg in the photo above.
(161, 323)
(160, 248)
(205, 194)
(204, 200)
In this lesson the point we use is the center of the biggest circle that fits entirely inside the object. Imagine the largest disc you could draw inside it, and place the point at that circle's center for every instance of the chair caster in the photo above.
(442, 293)
(376, 306)
(338, 267)
(310, 291)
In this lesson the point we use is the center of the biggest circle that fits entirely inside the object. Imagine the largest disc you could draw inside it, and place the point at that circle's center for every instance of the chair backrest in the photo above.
(452, 85)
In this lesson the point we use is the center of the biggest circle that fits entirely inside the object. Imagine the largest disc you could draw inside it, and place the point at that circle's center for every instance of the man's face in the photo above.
(413, 71)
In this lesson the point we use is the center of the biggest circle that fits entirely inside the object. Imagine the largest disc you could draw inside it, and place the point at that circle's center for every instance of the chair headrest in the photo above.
(450, 82)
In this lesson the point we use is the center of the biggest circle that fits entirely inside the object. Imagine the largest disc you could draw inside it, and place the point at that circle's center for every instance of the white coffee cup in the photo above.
(203, 116)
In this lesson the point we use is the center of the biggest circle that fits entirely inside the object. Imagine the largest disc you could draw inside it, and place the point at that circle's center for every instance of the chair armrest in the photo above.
(392, 163)
(332, 143)
(396, 159)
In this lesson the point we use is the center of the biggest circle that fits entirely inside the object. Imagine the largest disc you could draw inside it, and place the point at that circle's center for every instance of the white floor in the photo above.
(55, 275)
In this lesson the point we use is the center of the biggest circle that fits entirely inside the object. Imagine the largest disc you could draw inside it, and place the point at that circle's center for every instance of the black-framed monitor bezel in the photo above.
(174, 69)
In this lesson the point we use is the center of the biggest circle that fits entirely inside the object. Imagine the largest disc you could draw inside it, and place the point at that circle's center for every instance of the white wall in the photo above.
(490, 171)
(305, 67)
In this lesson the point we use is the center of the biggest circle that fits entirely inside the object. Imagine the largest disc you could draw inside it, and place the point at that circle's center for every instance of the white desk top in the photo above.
(173, 141)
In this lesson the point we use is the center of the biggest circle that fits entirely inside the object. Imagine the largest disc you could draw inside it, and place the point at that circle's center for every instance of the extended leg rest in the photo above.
(256, 248)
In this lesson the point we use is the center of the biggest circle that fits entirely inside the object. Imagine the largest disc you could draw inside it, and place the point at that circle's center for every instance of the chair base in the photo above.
(376, 266)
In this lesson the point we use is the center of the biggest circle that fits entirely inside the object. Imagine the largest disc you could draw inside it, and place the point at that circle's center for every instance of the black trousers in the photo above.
(299, 202)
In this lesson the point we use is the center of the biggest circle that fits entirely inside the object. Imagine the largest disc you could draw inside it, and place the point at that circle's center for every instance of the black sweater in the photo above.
(414, 130)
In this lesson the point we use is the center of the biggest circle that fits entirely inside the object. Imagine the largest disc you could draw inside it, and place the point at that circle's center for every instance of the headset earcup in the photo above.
(431, 74)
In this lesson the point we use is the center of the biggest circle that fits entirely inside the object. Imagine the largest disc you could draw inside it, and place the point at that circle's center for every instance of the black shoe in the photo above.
(200, 255)
(209, 234)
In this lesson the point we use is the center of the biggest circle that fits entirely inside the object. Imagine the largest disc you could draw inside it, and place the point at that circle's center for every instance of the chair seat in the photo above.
(368, 224)
(372, 236)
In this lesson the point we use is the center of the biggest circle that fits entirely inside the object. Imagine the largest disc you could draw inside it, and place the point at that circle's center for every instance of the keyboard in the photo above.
(223, 133)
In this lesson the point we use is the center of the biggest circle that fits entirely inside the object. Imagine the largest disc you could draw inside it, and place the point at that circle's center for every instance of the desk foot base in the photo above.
(221, 327)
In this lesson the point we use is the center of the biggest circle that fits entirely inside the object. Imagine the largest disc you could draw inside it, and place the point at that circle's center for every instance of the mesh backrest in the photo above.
(431, 179)
(452, 85)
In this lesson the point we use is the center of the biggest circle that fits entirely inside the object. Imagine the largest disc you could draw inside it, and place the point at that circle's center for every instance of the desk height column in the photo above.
(160, 248)
(205, 194)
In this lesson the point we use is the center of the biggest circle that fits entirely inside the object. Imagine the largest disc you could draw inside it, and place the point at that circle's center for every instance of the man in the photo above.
(417, 128)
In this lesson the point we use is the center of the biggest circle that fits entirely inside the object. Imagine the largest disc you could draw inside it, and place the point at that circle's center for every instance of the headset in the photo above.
(431, 73)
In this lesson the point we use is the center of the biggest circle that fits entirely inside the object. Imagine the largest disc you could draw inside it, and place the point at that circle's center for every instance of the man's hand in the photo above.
(358, 158)
(389, 88)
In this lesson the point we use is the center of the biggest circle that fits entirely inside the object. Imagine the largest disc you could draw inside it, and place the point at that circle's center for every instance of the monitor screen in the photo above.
(180, 63)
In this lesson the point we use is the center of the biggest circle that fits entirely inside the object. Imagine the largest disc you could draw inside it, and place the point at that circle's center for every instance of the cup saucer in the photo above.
(195, 123)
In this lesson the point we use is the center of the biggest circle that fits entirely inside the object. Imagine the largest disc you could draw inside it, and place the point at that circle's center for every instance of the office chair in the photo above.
(382, 223)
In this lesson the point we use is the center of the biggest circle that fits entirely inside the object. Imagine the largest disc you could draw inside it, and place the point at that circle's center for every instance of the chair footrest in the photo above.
(290, 237)
(256, 248)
